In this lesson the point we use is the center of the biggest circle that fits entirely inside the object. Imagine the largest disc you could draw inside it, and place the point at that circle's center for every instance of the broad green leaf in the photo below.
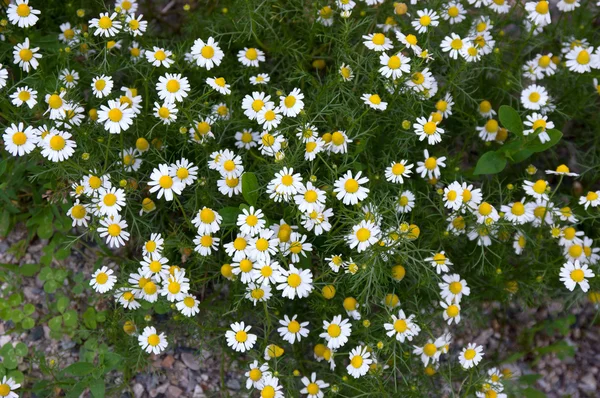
(55, 323)
(29, 269)
(229, 215)
(62, 303)
(27, 323)
(80, 369)
(490, 163)
(50, 286)
(250, 188)
(45, 230)
(510, 119)
(21, 349)
(70, 318)
(28, 309)
(97, 388)
(537, 146)
(89, 318)
(521, 155)
(532, 393)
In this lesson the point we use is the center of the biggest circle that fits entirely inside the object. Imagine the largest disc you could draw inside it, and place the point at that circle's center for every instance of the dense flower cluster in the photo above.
(278, 258)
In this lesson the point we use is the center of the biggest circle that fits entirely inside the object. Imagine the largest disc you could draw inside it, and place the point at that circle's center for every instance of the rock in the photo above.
(190, 361)
(589, 383)
(138, 390)
(167, 362)
(233, 384)
(36, 333)
(198, 392)
(159, 390)
(4, 339)
(174, 392)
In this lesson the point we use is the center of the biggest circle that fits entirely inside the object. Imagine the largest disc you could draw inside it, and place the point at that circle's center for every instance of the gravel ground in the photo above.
(183, 372)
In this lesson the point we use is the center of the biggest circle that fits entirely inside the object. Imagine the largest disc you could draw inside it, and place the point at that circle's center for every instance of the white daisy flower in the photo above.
(253, 104)
(336, 332)
(167, 112)
(135, 25)
(430, 167)
(451, 312)
(107, 25)
(172, 87)
(592, 198)
(349, 189)
(219, 84)
(175, 286)
(251, 56)
(439, 261)
(427, 18)
(207, 54)
(79, 213)
(261, 78)
(453, 288)
(360, 362)
(162, 180)
(151, 341)
(363, 235)
(517, 212)
(127, 298)
(25, 56)
(292, 330)
(269, 117)
(536, 189)
(188, 306)
(377, 42)
(339, 142)
(313, 387)
(295, 282)
(534, 97)
(374, 101)
(292, 104)
(239, 337)
(256, 374)
(159, 57)
(116, 116)
(402, 327)
(103, 280)
(18, 140)
(24, 95)
(470, 355)
(428, 128)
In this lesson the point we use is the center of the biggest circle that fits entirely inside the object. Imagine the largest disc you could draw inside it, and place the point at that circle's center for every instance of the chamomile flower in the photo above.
(103, 280)
(269, 385)
(349, 189)
(269, 117)
(431, 351)
(517, 212)
(253, 104)
(24, 95)
(339, 142)
(256, 374)
(374, 101)
(207, 54)
(428, 128)
(470, 51)
(534, 97)
(568, 5)
(471, 355)
(239, 337)
(453, 196)
(261, 78)
(296, 246)
(3, 76)
(536, 189)
(136, 26)
(153, 247)
(486, 213)
(110, 201)
(219, 84)
(454, 12)
(155, 266)
(295, 282)
(317, 220)
(402, 327)
(162, 181)
(538, 121)
(498, 6)
(377, 42)
(188, 306)
(566, 214)
(258, 292)
(25, 56)
(127, 298)
(538, 12)
(292, 104)
(159, 57)
(265, 271)
(251, 56)
(246, 139)
(116, 116)
(453, 45)
(562, 170)
(346, 72)
(336, 332)
(542, 212)
(394, 66)
(439, 261)
(167, 112)
(102, 86)
(313, 387)
(151, 341)
(175, 286)
(453, 288)
(20, 140)
(184, 171)
(396, 172)
(263, 245)
(127, 6)
(206, 244)
(405, 202)
(251, 221)
(360, 361)
(309, 198)
(135, 51)
(571, 236)
(172, 87)
(68, 33)
(230, 186)
(131, 159)
(286, 182)
(79, 213)
(427, 18)
(363, 235)
(430, 167)
(292, 330)
(207, 221)
(107, 25)
(592, 198)
(22, 14)
(245, 269)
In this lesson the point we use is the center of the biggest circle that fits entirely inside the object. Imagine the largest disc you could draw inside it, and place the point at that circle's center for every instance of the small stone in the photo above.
(190, 361)
(167, 362)
(589, 383)
(233, 384)
(138, 390)
(198, 392)
(174, 392)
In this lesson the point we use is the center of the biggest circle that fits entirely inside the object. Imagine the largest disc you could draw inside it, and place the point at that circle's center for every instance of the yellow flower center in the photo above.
(425, 20)
(312, 389)
(394, 62)
(583, 58)
(270, 115)
(591, 196)
(114, 230)
(518, 209)
(356, 361)
(378, 39)
(310, 196)
(455, 287)
(19, 138)
(102, 278)
(289, 101)
(544, 61)
(262, 244)
(452, 311)
(134, 24)
(540, 186)
(246, 265)
(78, 212)
(431, 163)
(485, 209)
(165, 182)
(334, 330)
(257, 105)
(539, 123)
(100, 84)
(255, 374)
(153, 340)
(577, 275)
(173, 86)
(115, 115)
(575, 251)
(429, 128)
(363, 234)
(251, 54)
(418, 78)
(267, 392)
(26, 54)
(294, 280)
(23, 10)
(294, 326)
(534, 97)
(105, 22)
(429, 349)
(207, 52)
(174, 287)
(453, 11)
(239, 243)
(470, 354)
(400, 326)
(351, 185)
(110, 199)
